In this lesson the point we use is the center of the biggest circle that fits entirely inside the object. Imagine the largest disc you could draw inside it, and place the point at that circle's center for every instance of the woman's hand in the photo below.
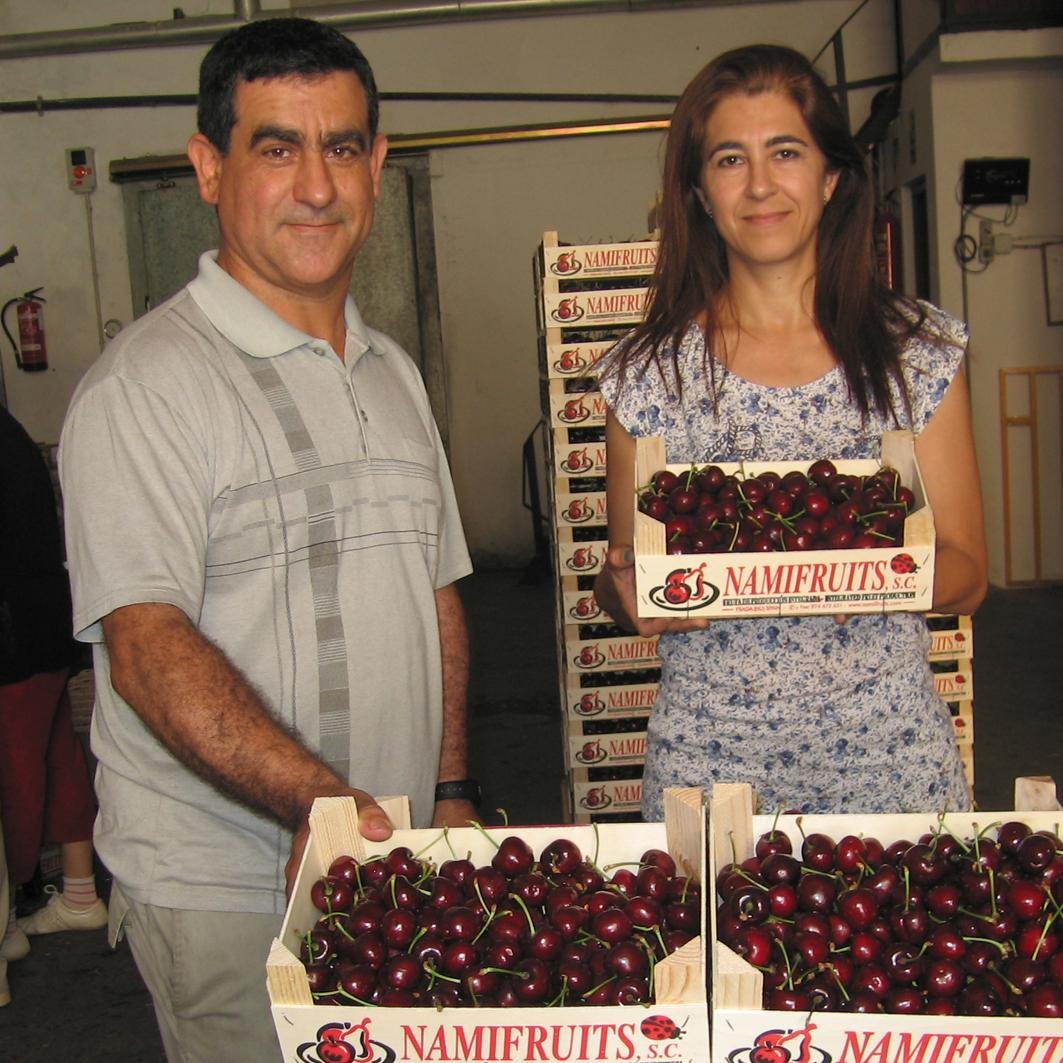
(614, 590)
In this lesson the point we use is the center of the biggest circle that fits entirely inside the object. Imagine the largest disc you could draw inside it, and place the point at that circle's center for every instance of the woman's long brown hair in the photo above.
(864, 324)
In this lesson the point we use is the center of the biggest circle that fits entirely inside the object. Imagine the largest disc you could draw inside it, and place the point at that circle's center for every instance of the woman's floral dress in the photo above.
(817, 716)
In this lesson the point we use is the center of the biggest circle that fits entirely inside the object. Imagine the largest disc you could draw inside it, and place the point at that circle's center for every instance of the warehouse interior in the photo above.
(536, 118)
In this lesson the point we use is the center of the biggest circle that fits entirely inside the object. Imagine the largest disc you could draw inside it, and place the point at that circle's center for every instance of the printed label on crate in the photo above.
(623, 795)
(574, 359)
(954, 685)
(585, 460)
(784, 1037)
(634, 259)
(816, 581)
(631, 651)
(950, 637)
(962, 713)
(612, 701)
(607, 749)
(618, 306)
(578, 509)
(585, 559)
(581, 607)
(587, 408)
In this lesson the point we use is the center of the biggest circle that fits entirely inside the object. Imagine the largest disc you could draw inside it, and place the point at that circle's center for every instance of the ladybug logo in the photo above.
(903, 564)
(661, 1028)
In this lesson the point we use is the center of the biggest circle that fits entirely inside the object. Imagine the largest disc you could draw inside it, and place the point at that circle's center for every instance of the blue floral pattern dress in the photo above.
(817, 716)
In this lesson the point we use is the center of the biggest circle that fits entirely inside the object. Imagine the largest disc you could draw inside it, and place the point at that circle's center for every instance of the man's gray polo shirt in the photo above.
(300, 511)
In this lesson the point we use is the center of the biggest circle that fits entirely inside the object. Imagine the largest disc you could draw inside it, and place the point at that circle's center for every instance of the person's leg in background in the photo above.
(46, 798)
(5, 909)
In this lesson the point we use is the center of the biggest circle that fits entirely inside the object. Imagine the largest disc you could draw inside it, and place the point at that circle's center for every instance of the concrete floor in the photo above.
(73, 998)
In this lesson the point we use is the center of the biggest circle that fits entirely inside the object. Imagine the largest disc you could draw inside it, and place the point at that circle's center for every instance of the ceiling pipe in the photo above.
(205, 29)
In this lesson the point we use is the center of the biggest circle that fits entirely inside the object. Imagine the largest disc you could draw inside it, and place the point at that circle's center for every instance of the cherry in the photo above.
(560, 857)
(513, 857)
(397, 928)
(532, 980)
(457, 871)
(858, 907)
(1044, 1002)
(611, 925)
(401, 861)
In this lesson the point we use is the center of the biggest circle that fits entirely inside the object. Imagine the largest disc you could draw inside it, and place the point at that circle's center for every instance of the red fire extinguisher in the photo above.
(31, 353)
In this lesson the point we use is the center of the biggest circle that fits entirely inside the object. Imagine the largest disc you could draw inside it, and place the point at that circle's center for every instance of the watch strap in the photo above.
(459, 790)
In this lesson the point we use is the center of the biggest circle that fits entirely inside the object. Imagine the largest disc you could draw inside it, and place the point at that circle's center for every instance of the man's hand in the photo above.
(615, 591)
(373, 824)
(455, 813)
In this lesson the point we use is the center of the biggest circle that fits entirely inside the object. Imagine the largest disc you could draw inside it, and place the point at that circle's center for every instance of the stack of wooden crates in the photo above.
(586, 297)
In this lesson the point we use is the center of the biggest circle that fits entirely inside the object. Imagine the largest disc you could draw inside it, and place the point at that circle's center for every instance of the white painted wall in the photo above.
(994, 94)
(492, 204)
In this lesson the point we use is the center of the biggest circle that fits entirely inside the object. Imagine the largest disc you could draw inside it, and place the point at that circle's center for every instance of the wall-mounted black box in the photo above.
(987, 181)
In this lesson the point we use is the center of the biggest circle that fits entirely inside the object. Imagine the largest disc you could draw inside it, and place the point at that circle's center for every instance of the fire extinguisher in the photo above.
(31, 353)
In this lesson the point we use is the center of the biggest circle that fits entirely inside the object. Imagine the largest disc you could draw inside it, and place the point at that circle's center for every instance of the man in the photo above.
(263, 543)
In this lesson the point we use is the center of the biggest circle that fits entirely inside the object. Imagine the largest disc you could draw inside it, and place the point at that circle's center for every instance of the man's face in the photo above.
(296, 191)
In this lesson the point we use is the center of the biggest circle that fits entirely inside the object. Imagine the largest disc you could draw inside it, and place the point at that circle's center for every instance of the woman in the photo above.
(769, 337)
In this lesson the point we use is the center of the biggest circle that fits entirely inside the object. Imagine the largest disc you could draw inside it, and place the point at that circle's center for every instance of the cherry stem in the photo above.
(343, 993)
(480, 828)
(505, 816)
(943, 826)
(594, 989)
(527, 914)
(987, 941)
(435, 974)
(597, 843)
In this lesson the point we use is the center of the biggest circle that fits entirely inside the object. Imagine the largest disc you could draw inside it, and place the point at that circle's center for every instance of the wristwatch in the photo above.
(459, 790)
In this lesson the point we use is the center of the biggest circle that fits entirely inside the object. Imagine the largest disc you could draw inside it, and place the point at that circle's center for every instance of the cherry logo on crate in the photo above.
(571, 361)
(771, 1047)
(344, 1042)
(685, 589)
(578, 511)
(567, 263)
(591, 753)
(661, 1028)
(582, 558)
(568, 310)
(903, 564)
(590, 657)
(589, 705)
(586, 608)
(577, 461)
(574, 411)
(596, 798)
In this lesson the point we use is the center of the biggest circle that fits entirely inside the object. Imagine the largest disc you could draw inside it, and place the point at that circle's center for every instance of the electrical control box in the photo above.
(81, 170)
(989, 181)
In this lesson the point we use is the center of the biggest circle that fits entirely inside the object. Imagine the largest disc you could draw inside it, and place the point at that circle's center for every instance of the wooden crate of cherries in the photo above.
(574, 942)
(781, 539)
(885, 938)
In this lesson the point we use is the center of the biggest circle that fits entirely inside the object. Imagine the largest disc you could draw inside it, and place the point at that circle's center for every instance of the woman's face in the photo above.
(764, 180)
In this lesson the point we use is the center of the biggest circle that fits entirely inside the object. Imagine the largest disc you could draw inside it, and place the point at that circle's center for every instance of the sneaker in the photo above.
(5, 992)
(57, 915)
(15, 945)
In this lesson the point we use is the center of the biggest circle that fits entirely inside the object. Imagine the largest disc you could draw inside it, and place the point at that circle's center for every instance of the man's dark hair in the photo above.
(274, 48)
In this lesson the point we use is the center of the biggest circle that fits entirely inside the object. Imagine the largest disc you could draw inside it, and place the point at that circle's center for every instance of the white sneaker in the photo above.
(5, 992)
(15, 945)
(57, 915)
